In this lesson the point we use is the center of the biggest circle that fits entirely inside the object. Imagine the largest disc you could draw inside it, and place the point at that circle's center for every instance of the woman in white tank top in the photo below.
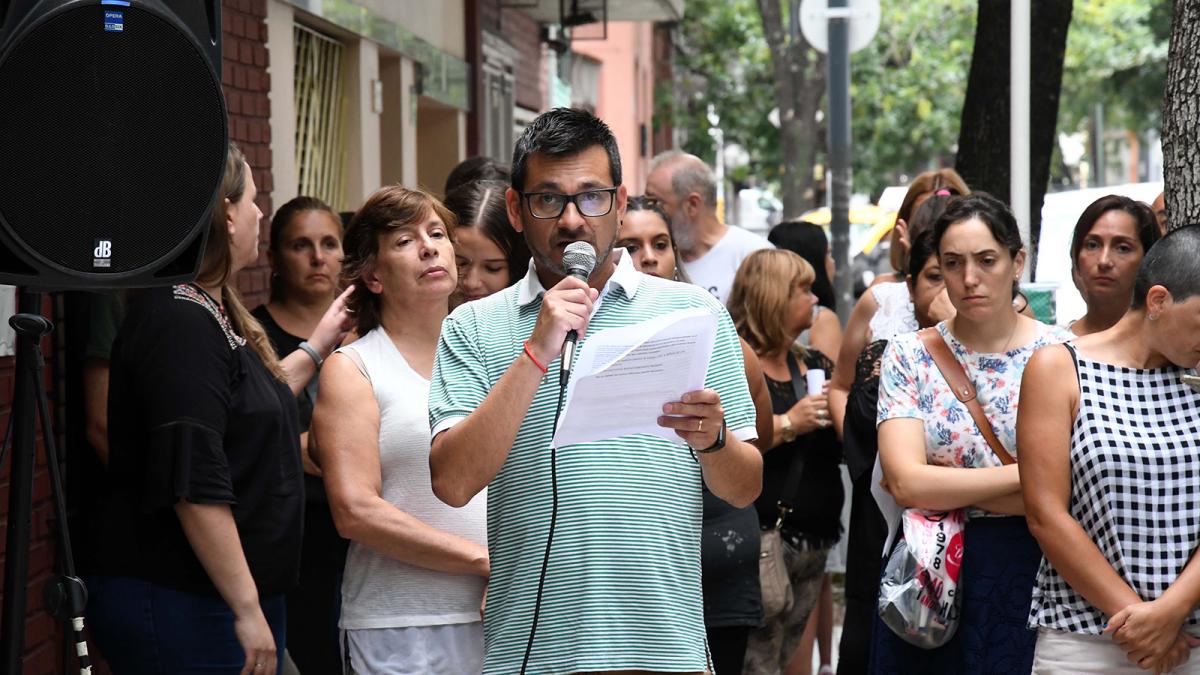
(417, 569)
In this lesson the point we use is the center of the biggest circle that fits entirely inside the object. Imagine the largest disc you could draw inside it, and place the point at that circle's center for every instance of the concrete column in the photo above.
(281, 66)
(443, 142)
(398, 122)
(363, 142)
(408, 128)
(391, 119)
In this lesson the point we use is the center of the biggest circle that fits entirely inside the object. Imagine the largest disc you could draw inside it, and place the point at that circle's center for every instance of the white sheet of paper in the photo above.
(623, 376)
(887, 506)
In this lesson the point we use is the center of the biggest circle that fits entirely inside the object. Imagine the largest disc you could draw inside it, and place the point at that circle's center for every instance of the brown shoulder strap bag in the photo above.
(963, 388)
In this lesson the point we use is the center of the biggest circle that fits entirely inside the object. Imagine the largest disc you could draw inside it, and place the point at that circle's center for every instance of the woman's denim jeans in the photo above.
(142, 628)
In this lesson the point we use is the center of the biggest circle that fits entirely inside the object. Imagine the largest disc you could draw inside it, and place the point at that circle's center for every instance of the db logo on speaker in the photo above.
(102, 253)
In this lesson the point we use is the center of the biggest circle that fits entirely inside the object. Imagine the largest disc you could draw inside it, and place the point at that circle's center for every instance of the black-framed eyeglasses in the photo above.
(590, 203)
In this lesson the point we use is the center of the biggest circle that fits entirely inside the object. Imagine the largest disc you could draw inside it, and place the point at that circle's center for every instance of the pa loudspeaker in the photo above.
(112, 140)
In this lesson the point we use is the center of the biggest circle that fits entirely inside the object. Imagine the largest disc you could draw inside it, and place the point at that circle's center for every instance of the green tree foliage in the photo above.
(907, 89)
(1117, 56)
(909, 84)
(723, 61)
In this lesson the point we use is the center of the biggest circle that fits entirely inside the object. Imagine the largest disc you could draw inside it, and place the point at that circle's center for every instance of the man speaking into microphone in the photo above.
(595, 547)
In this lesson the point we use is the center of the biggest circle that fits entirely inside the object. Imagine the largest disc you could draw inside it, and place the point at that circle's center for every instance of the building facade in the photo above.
(334, 98)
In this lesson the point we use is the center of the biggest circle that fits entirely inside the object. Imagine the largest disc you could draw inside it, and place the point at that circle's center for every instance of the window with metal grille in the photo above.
(320, 141)
(499, 96)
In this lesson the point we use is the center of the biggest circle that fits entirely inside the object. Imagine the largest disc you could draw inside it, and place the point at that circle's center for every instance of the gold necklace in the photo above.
(1011, 334)
(950, 327)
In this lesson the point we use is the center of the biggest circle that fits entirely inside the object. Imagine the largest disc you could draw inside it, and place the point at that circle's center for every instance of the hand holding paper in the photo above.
(624, 376)
(696, 418)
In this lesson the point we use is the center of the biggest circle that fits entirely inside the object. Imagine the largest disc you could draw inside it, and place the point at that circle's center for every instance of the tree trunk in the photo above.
(983, 139)
(799, 85)
(1181, 117)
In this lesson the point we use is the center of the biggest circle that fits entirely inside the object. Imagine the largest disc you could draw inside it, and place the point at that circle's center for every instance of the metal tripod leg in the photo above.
(66, 595)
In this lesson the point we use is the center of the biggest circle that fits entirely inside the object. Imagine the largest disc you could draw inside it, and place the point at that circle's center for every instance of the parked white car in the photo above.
(758, 210)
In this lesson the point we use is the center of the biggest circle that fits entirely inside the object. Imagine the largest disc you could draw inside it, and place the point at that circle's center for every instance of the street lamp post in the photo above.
(839, 153)
(718, 136)
(839, 27)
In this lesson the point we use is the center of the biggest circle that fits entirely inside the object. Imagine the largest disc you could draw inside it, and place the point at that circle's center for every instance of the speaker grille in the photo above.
(107, 135)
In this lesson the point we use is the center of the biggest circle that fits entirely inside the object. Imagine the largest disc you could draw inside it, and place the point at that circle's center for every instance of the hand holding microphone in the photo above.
(566, 308)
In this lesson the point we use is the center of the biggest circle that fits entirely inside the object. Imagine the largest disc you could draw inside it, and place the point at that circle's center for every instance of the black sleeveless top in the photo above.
(285, 343)
(816, 499)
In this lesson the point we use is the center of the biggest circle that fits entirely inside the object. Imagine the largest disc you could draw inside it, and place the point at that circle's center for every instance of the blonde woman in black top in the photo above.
(771, 304)
(206, 494)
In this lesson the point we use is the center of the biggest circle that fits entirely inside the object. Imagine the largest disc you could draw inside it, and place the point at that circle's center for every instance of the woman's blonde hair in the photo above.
(758, 302)
(217, 267)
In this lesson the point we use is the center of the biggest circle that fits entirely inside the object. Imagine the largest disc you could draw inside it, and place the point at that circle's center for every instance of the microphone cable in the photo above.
(537, 604)
(579, 259)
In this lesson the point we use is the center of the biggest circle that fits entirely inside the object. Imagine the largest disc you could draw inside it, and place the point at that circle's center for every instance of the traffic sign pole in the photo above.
(839, 152)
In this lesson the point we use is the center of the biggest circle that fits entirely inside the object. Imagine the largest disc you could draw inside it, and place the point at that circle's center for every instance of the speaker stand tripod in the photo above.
(65, 594)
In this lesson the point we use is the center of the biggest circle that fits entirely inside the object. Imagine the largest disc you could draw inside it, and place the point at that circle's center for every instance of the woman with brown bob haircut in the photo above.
(771, 303)
(415, 574)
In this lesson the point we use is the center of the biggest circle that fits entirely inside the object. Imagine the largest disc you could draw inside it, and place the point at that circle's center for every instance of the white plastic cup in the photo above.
(816, 381)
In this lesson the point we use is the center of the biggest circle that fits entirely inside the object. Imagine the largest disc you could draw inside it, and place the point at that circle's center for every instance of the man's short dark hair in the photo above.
(1170, 263)
(563, 132)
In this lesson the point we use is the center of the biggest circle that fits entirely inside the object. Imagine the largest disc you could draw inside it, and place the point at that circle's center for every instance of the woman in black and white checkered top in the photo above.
(1110, 470)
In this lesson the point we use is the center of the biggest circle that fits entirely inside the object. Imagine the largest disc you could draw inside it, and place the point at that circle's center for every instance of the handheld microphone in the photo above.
(579, 260)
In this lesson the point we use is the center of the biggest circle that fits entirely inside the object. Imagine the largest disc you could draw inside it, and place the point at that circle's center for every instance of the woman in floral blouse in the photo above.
(926, 436)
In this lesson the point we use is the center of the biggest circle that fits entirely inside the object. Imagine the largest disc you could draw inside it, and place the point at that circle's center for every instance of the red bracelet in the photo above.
(529, 353)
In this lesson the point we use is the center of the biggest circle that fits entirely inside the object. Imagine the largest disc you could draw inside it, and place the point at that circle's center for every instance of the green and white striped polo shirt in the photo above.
(623, 584)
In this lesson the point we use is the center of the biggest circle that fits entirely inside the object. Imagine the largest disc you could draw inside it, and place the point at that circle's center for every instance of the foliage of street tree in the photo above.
(1116, 56)
(724, 62)
(984, 154)
(909, 84)
(907, 87)
(908, 90)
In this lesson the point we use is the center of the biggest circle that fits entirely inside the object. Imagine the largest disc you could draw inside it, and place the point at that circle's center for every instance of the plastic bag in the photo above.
(919, 595)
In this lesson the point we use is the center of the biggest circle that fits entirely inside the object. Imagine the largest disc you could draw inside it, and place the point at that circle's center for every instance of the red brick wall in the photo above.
(244, 74)
(246, 83)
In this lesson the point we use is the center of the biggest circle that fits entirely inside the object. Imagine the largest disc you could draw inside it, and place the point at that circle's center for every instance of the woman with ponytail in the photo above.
(206, 494)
